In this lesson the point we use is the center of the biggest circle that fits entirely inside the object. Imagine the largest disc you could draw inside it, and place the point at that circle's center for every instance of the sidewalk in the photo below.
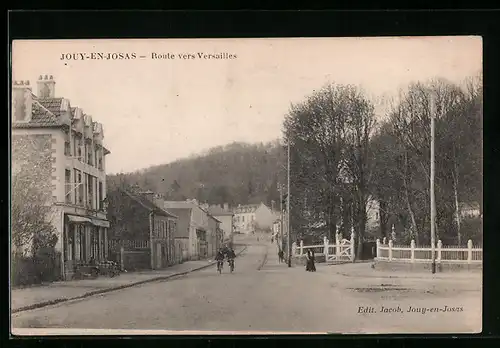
(41, 296)
(364, 270)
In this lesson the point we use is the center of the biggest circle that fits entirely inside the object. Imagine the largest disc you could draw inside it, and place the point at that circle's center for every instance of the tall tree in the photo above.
(358, 156)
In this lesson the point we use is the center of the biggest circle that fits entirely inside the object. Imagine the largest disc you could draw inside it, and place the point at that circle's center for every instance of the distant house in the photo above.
(214, 237)
(194, 227)
(470, 210)
(225, 216)
(372, 214)
(137, 223)
(277, 229)
(248, 218)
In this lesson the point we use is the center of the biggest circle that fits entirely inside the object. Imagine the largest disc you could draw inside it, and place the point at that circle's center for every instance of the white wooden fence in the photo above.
(128, 244)
(443, 254)
(341, 250)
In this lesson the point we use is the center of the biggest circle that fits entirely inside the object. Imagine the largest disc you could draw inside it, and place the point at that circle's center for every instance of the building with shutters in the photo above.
(47, 129)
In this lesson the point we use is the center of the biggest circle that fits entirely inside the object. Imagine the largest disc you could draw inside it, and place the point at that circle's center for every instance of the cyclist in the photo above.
(220, 259)
(231, 255)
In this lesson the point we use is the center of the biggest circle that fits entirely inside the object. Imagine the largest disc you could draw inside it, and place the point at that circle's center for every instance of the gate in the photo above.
(342, 251)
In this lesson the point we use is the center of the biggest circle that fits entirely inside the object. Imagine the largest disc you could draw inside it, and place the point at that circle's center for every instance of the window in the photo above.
(81, 187)
(67, 144)
(90, 191)
(90, 154)
(94, 243)
(101, 197)
(78, 147)
(98, 156)
(68, 186)
(69, 249)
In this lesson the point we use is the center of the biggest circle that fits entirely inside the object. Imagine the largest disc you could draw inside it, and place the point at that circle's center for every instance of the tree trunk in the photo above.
(457, 208)
(383, 216)
(408, 204)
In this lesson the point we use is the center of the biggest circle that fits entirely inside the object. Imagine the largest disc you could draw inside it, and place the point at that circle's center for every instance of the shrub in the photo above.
(45, 266)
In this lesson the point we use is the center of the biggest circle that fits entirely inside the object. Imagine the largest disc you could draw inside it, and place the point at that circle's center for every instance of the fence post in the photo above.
(337, 245)
(469, 251)
(412, 246)
(439, 247)
(325, 250)
(122, 253)
(352, 246)
(301, 247)
(378, 248)
(390, 250)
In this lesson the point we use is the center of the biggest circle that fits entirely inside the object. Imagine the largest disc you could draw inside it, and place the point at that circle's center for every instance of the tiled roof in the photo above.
(148, 204)
(179, 205)
(52, 104)
(43, 115)
(249, 208)
(218, 211)
(40, 117)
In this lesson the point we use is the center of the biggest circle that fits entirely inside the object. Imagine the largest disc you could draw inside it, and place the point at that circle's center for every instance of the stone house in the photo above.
(67, 149)
(145, 230)
(252, 217)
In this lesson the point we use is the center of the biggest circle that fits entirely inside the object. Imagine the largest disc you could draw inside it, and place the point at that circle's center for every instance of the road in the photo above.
(275, 298)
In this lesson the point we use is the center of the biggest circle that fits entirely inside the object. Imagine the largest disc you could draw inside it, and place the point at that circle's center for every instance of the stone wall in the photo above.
(136, 260)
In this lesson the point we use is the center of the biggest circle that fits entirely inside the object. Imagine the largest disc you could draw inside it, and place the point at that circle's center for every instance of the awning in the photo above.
(75, 218)
(100, 223)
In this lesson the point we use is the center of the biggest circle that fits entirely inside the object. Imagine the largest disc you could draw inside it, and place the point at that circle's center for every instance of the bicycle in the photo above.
(220, 264)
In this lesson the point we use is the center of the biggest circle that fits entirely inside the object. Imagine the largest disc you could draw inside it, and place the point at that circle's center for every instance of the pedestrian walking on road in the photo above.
(313, 260)
(281, 256)
(308, 261)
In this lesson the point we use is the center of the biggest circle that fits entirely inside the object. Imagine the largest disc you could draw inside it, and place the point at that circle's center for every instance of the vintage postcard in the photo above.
(247, 186)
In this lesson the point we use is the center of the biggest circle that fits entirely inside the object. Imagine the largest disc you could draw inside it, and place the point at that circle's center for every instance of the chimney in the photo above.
(22, 101)
(46, 86)
(159, 201)
(226, 206)
(150, 195)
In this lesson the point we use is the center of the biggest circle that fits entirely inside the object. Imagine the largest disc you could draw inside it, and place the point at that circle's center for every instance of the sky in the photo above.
(155, 111)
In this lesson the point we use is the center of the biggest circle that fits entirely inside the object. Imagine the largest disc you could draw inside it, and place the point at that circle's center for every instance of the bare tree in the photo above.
(359, 127)
(31, 198)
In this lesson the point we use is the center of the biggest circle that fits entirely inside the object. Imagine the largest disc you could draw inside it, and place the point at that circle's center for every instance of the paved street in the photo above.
(275, 298)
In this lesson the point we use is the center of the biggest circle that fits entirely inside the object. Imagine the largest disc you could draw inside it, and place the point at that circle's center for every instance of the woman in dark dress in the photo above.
(313, 259)
(308, 260)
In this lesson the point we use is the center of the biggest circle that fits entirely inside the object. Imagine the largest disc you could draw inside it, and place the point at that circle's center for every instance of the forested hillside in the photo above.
(238, 173)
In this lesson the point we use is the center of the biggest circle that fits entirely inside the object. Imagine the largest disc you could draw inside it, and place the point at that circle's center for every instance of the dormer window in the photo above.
(67, 144)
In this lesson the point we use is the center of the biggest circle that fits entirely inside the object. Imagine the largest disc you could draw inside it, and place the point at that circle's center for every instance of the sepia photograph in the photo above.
(246, 186)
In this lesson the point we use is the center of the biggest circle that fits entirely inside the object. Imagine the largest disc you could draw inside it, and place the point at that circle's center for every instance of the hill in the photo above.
(237, 173)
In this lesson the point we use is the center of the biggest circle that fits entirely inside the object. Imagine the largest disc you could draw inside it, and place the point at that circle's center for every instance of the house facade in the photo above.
(248, 218)
(194, 226)
(138, 224)
(70, 146)
(214, 239)
(225, 216)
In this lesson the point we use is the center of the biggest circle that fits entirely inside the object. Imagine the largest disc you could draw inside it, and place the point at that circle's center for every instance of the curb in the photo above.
(115, 288)
(367, 275)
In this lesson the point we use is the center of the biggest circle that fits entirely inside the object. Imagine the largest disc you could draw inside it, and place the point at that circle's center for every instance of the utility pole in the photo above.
(280, 241)
(288, 211)
(433, 200)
